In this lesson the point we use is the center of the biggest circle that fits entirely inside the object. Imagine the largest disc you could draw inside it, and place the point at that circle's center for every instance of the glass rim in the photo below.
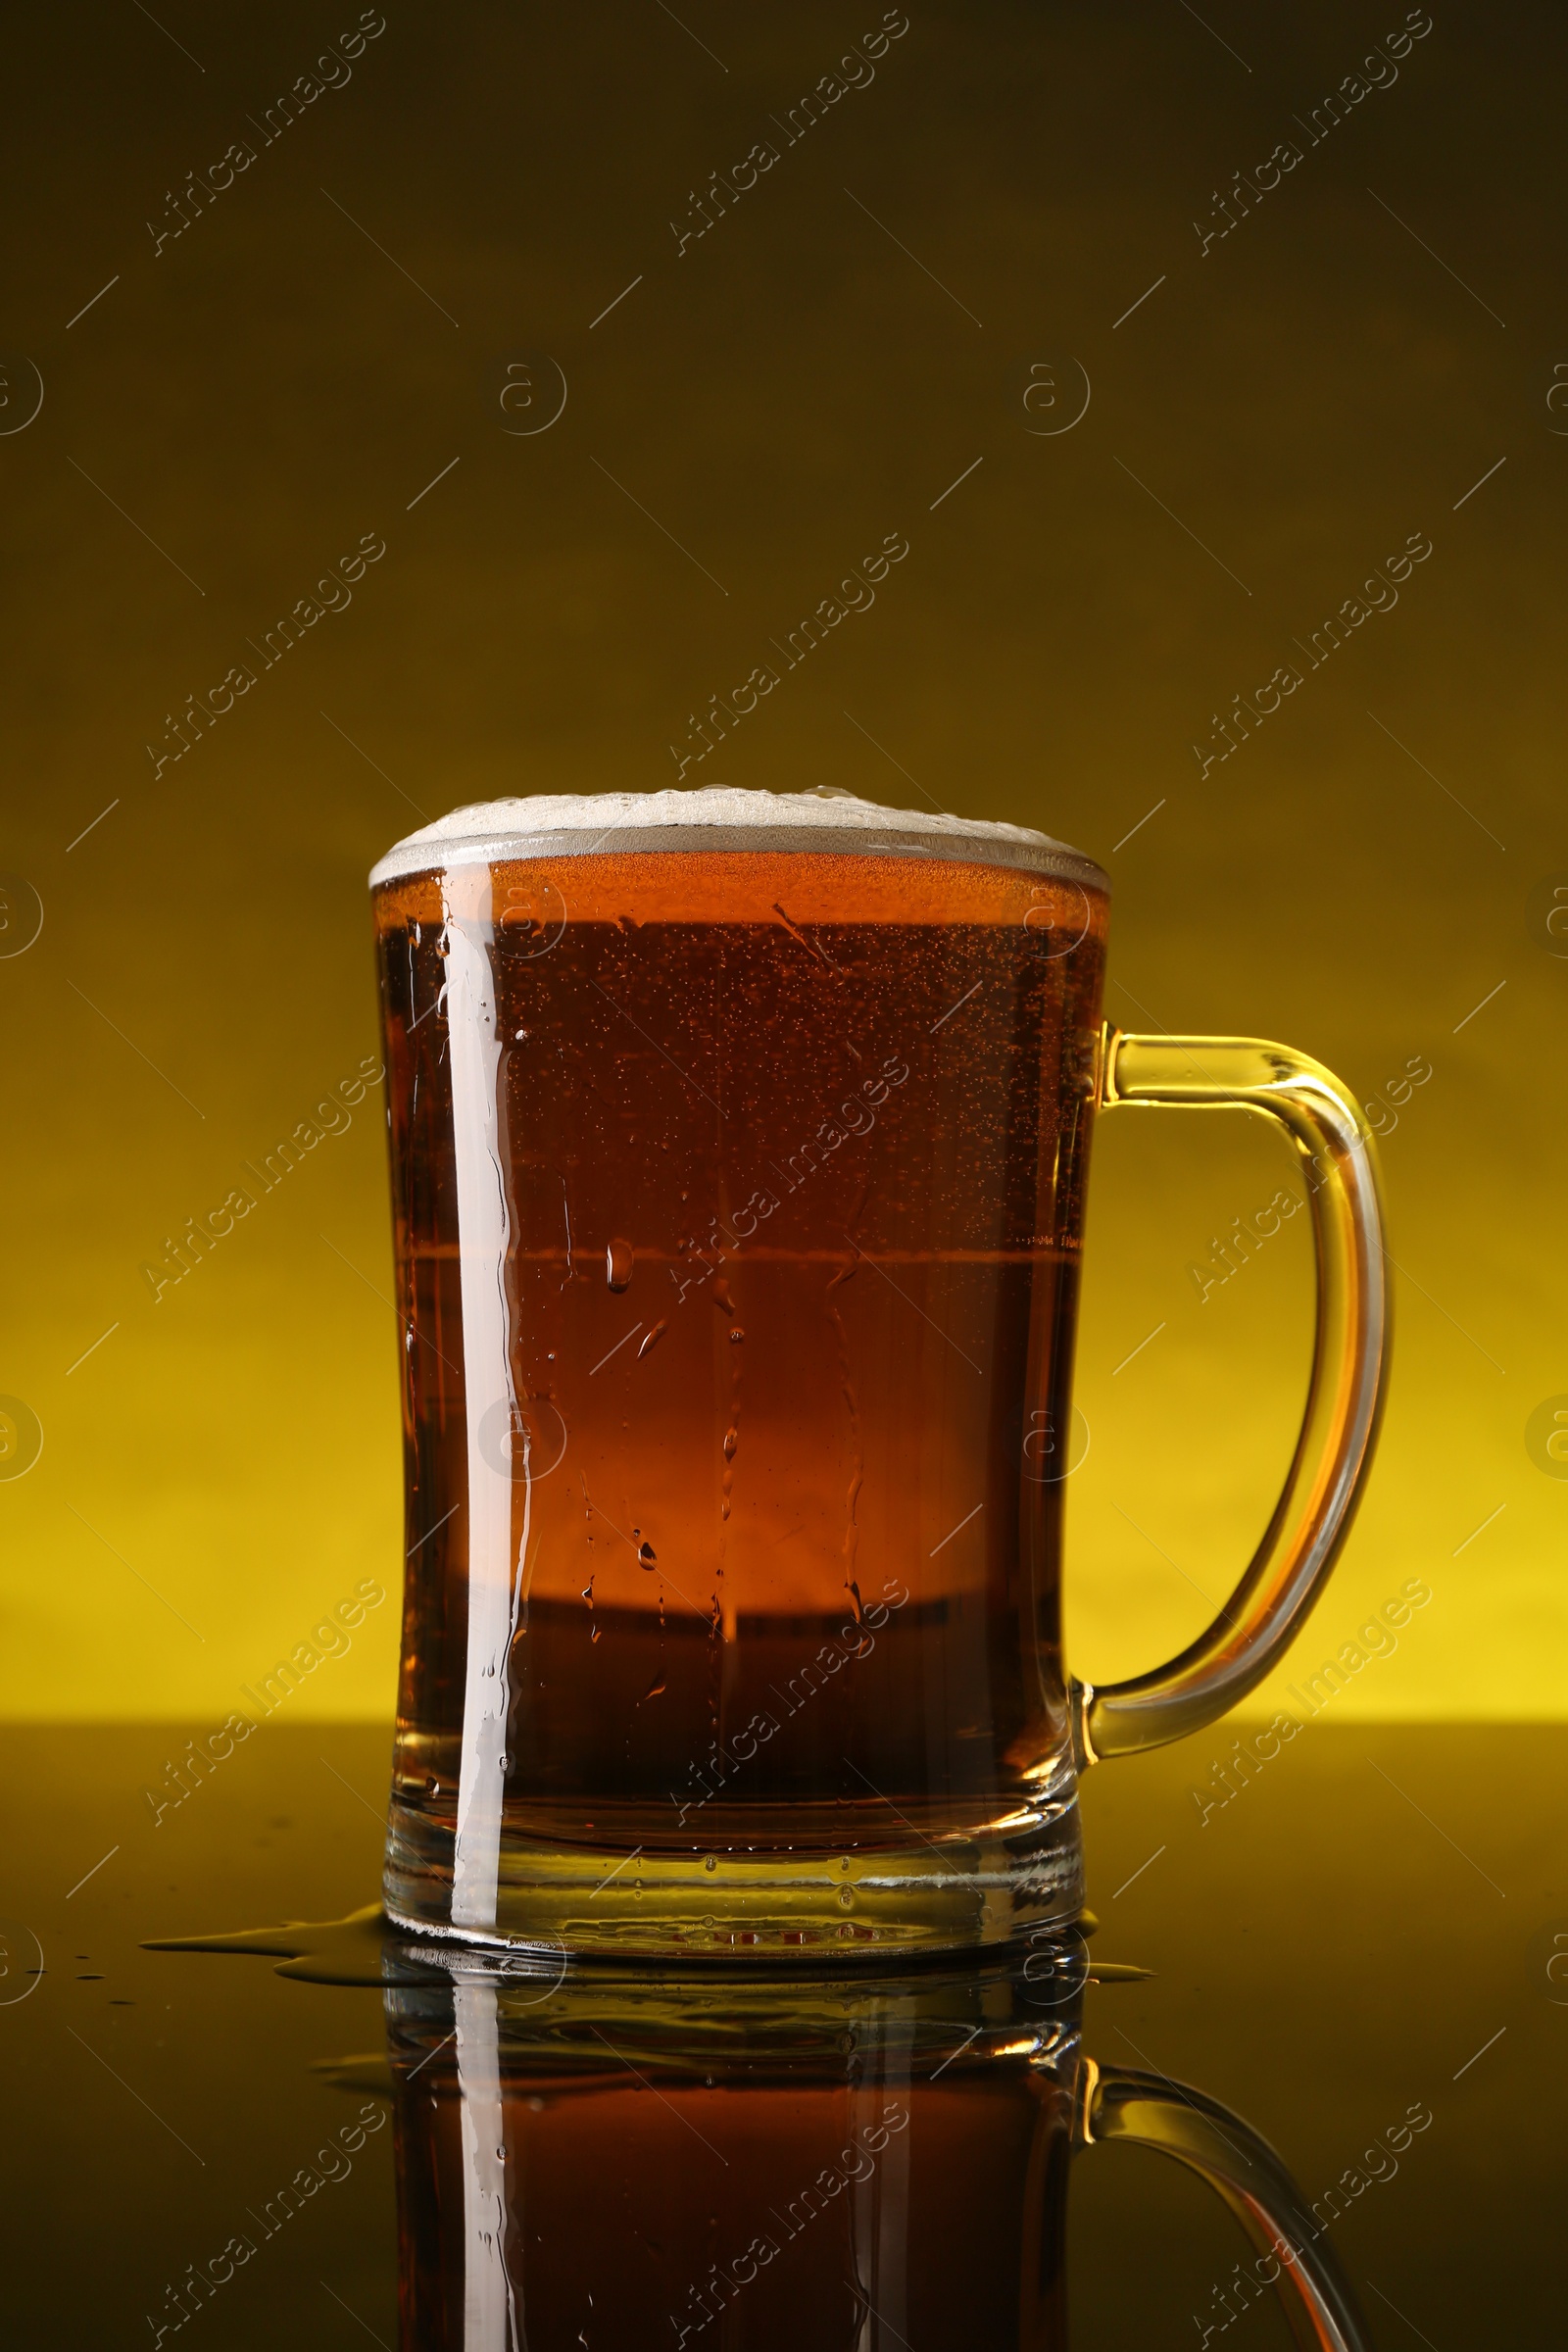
(845, 827)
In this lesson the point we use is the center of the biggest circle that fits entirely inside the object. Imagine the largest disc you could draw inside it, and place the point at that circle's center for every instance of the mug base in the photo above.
(989, 1887)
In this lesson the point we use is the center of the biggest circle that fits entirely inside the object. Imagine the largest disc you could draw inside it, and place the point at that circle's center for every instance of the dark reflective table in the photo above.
(1353, 2031)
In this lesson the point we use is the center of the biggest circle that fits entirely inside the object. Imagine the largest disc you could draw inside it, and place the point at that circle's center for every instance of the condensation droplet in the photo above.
(647, 1554)
(709, 1861)
(618, 1266)
(737, 1335)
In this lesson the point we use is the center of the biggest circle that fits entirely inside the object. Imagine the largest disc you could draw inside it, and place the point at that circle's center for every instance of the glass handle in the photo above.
(1345, 1398)
(1294, 2257)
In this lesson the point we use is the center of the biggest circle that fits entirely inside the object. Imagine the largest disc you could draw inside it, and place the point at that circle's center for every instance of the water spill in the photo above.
(361, 1949)
(366, 1948)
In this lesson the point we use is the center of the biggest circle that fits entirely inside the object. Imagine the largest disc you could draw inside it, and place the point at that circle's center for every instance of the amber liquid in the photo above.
(792, 1151)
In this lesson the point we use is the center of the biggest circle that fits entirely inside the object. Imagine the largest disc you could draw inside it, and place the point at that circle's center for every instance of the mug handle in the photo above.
(1149, 2111)
(1345, 1397)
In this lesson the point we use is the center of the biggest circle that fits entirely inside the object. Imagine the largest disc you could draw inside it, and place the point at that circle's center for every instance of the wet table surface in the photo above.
(1363, 1935)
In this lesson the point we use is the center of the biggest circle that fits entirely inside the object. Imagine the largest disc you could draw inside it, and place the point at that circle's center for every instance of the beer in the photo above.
(738, 1196)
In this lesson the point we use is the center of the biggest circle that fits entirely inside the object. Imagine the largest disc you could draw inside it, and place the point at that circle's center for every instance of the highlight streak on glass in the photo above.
(484, 1227)
(489, 2306)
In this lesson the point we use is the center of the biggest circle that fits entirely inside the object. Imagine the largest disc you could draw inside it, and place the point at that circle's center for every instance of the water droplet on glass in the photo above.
(732, 1438)
(652, 1338)
(618, 1266)
(647, 1554)
(737, 1334)
(709, 1861)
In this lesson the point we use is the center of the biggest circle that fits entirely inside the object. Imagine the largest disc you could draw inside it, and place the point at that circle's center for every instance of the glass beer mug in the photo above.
(739, 1142)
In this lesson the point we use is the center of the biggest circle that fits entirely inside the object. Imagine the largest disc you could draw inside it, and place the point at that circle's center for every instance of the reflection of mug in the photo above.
(628, 2161)
(739, 1144)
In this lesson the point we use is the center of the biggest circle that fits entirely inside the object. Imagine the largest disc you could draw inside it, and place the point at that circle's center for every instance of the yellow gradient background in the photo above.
(763, 406)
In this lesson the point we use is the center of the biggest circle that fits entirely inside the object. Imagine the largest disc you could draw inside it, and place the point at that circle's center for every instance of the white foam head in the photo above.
(720, 817)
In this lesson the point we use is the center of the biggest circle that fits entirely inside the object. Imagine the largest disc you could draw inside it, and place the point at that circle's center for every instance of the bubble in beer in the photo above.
(618, 1266)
